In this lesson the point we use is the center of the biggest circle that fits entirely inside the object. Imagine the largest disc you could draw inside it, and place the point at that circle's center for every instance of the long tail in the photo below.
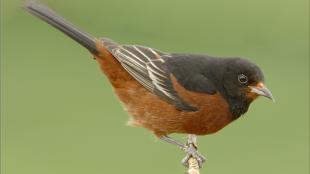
(61, 24)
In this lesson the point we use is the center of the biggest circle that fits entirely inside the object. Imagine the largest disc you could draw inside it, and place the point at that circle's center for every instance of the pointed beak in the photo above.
(262, 90)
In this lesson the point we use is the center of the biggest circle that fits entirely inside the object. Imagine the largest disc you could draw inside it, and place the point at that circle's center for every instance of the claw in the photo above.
(191, 151)
(185, 160)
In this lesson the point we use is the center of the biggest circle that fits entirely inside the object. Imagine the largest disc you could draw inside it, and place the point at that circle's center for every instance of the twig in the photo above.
(193, 167)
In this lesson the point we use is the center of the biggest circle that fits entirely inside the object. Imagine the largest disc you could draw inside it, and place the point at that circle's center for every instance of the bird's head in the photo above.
(243, 82)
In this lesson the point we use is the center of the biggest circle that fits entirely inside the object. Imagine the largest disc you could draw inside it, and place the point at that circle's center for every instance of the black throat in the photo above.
(238, 107)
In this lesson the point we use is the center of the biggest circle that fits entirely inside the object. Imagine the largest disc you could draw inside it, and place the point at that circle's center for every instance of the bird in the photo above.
(170, 93)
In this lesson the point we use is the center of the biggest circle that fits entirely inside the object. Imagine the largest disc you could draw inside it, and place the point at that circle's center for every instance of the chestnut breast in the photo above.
(150, 111)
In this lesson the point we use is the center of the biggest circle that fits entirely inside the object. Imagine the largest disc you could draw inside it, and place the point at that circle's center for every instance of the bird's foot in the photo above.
(192, 152)
(190, 149)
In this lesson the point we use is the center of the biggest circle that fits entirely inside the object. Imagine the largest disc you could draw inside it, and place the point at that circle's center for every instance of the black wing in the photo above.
(148, 66)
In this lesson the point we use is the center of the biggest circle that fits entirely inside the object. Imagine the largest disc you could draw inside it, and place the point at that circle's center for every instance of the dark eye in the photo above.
(243, 79)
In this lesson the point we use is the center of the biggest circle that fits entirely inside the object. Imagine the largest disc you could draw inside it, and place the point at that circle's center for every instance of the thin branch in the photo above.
(193, 167)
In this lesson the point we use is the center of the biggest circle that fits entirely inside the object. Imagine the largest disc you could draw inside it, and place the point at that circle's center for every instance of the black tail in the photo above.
(61, 24)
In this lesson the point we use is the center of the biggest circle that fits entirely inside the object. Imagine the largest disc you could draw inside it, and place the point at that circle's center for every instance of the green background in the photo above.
(59, 114)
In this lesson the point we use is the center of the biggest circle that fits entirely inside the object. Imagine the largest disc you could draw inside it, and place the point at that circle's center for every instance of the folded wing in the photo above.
(148, 67)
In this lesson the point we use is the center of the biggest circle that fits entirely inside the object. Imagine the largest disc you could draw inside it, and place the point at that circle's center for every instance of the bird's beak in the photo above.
(262, 90)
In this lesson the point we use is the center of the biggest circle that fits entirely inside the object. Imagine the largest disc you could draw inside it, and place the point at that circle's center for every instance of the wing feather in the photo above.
(148, 67)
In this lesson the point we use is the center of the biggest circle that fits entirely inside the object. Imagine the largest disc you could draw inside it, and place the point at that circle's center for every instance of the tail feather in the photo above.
(61, 24)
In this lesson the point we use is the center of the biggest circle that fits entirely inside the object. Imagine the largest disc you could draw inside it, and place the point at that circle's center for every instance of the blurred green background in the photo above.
(59, 114)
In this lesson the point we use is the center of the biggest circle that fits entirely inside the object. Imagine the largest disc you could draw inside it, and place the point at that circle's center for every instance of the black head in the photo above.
(243, 81)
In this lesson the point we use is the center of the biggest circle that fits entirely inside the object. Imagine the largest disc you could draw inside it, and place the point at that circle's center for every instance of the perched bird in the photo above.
(169, 92)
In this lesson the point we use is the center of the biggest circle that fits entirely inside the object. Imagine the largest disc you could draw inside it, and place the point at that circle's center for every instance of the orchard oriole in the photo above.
(169, 92)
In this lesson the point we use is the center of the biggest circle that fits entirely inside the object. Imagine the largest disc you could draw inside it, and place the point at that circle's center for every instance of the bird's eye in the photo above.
(243, 79)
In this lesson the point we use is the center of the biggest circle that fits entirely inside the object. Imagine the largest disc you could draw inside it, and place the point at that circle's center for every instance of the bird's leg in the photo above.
(190, 148)
(191, 151)
(172, 141)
